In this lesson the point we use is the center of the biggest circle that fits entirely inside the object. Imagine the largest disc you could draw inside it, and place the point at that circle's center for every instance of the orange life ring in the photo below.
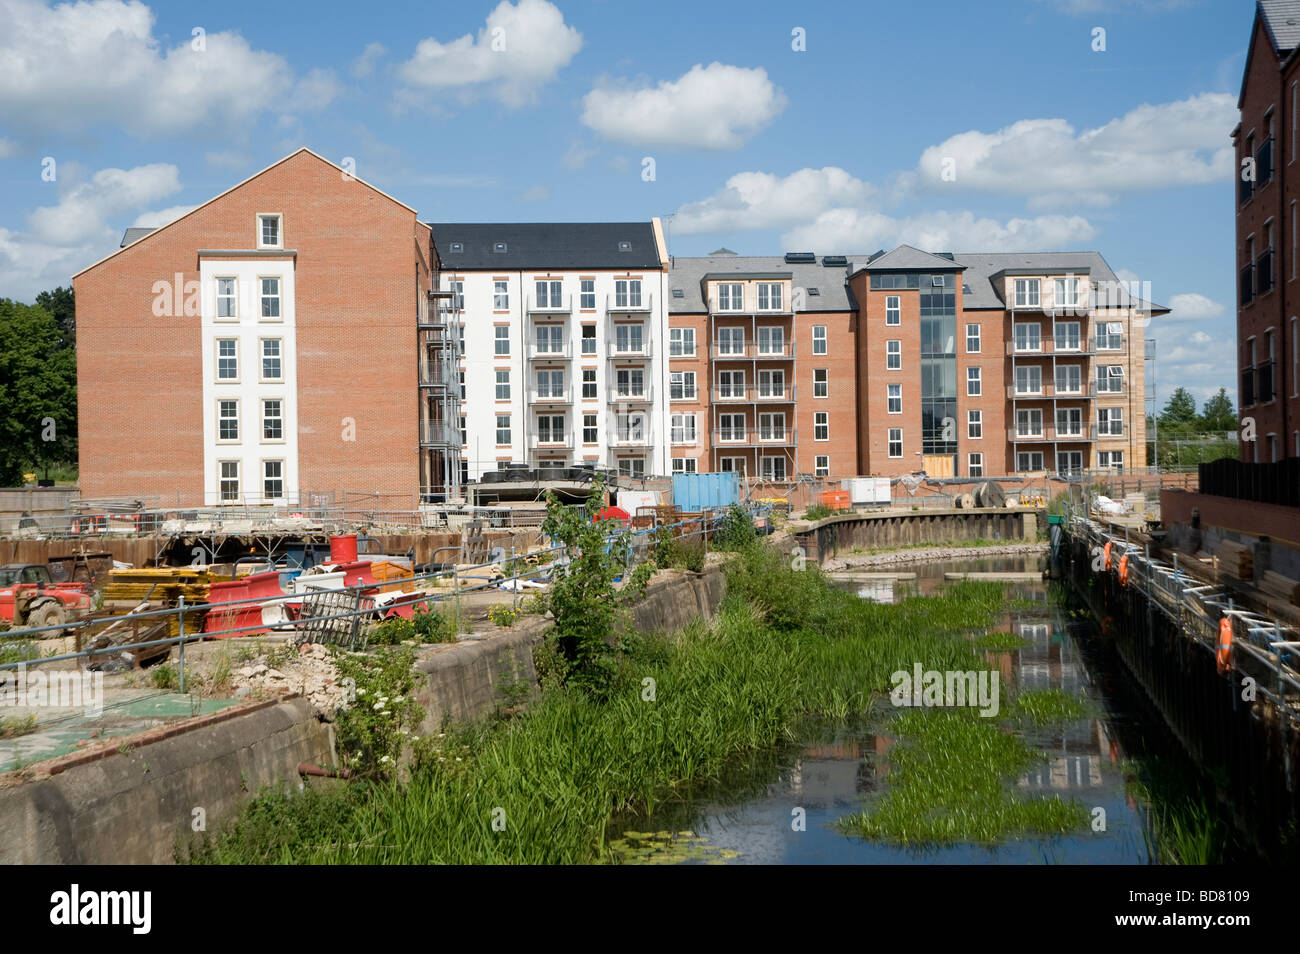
(1123, 570)
(1106, 551)
(1223, 656)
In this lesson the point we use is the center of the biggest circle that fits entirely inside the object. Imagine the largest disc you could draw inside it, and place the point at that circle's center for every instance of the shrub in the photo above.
(818, 512)
(163, 676)
(372, 730)
(432, 626)
(736, 530)
(503, 614)
(392, 631)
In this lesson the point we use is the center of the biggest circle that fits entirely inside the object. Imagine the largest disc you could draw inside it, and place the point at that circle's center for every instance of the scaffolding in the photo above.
(440, 441)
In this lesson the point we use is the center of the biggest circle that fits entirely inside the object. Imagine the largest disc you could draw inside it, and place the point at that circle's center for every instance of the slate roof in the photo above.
(558, 245)
(978, 272)
(1282, 18)
(134, 234)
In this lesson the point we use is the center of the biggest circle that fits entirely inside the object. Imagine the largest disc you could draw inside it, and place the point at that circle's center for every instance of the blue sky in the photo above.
(534, 110)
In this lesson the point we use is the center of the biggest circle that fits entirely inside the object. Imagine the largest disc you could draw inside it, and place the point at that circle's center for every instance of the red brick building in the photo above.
(1266, 195)
(260, 346)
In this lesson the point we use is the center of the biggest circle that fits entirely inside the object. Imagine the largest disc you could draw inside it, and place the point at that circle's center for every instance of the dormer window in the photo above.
(268, 231)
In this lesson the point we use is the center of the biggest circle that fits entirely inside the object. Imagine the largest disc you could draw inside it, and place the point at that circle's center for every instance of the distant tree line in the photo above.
(1187, 437)
(38, 386)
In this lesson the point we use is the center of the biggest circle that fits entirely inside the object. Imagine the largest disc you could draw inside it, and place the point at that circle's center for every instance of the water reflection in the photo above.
(754, 810)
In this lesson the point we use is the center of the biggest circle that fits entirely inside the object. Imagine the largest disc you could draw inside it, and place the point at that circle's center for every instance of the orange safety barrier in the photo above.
(837, 500)
(1223, 655)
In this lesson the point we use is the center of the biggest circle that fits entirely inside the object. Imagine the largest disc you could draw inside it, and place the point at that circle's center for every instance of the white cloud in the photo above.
(1150, 147)
(709, 107)
(160, 217)
(315, 91)
(537, 193)
(519, 48)
(1192, 305)
(82, 227)
(753, 200)
(577, 156)
(98, 63)
(84, 210)
(364, 65)
(859, 230)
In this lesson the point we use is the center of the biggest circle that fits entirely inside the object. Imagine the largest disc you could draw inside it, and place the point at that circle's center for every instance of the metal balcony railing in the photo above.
(628, 303)
(629, 395)
(550, 305)
(750, 305)
(754, 395)
(548, 352)
(750, 350)
(628, 349)
(1111, 431)
(1049, 346)
(562, 395)
(1051, 392)
(439, 434)
(551, 442)
(1048, 434)
(631, 438)
(754, 437)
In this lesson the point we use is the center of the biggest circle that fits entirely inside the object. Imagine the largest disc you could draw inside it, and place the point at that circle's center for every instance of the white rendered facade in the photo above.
(577, 367)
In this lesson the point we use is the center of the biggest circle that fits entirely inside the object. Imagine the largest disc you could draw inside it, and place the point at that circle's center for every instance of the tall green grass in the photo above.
(541, 787)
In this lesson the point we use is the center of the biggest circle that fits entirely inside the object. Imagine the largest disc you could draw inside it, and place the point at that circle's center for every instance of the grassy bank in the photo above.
(541, 787)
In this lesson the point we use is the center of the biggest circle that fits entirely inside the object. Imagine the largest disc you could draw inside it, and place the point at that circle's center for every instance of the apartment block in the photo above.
(260, 347)
(762, 365)
(1266, 192)
(305, 333)
(564, 342)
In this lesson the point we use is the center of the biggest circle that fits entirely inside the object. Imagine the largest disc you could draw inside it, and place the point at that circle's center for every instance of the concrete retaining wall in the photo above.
(106, 805)
(129, 807)
(863, 531)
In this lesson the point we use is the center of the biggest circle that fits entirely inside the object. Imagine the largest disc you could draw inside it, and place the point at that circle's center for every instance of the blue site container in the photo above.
(696, 492)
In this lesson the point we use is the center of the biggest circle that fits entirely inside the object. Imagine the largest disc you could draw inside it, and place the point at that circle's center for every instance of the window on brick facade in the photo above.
(975, 425)
(975, 465)
(821, 382)
(972, 339)
(684, 465)
(894, 399)
(974, 382)
(895, 442)
(821, 426)
(822, 465)
(268, 231)
(893, 355)
(681, 342)
(893, 310)
(819, 339)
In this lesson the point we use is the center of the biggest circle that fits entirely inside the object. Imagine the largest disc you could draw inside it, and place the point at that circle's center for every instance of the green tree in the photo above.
(1218, 414)
(38, 392)
(583, 598)
(1180, 413)
(61, 305)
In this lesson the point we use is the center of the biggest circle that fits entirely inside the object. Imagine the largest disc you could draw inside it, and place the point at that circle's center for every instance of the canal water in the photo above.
(745, 817)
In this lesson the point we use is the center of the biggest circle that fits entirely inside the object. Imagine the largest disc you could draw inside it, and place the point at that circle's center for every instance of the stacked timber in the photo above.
(1236, 560)
(158, 584)
(1283, 587)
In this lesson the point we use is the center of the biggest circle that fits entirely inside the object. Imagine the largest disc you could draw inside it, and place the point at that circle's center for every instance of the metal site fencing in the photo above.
(1198, 609)
(343, 615)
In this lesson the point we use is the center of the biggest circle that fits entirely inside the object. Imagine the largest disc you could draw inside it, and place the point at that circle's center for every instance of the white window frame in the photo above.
(974, 425)
(263, 298)
(678, 340)
(266, 417)
(502, 383)
(818, 339)
(974, 382)
(895, 436)
(222, 496)
(975, 337)
(894, 354)
(279, 230)
(1033, 422)
(1065, 292)
(586, 287)
(773, 293)
(504, 427)
(232, 298)
(821, 425)
(726, 425)
(225, 419)
(771, 340)
(975, 465)
(591, 425)
(731, 296)
(773, 426)
(685, 465)
(822, 385)
(1027, 292)
(768, 379)
(500, 296)
(682, 429)
(218, 357)
(500, 336)
(266, 478)
(893, 310)
(262, 358)
(731, 384)
(1028, 465)
(1033, 335)
(767, 468)
(822, 465)
(893, 399)
(735, 342)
